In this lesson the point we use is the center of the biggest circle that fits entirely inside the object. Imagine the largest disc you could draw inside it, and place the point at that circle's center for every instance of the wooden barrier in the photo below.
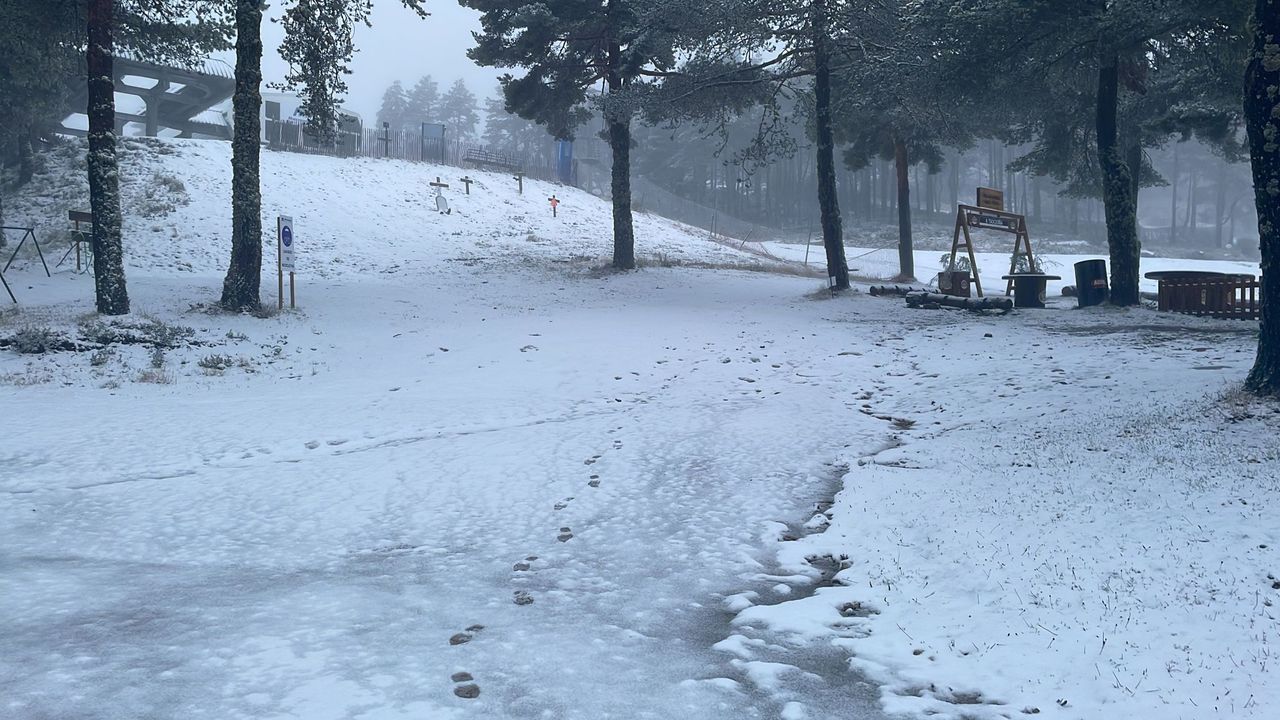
(1230, 297)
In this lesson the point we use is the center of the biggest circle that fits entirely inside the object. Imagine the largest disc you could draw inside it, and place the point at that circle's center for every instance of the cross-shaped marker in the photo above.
(438, 184)
(467, 181)
(555, 202)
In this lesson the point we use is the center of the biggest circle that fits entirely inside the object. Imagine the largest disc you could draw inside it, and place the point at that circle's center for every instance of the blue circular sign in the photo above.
(286, 235)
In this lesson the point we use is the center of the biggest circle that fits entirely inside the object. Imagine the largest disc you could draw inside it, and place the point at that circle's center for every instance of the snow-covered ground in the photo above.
(474, 462)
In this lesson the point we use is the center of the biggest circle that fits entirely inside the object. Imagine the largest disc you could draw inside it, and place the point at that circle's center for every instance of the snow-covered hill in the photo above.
(474, 477)
(361, 215)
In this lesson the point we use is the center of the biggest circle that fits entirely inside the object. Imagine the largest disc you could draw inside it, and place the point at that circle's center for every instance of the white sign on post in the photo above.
(286, 240)
(286, 243)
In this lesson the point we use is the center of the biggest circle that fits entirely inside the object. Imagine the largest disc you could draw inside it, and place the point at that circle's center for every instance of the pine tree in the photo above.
(423, 102)
(1262, 112)
(509, 133)
(241, 287)
(45, 45)
(1136, 68)
(891, 106)
(104, 177)
(459, 111)
(395, 107)
(318, 47)
(764, 51)
(566, 48)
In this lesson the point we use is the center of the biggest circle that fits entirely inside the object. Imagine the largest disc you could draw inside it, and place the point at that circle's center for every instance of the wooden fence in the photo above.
(1233, 297)
(411, 145)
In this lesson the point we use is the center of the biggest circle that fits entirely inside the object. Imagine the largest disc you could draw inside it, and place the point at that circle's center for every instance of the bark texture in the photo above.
(1262, 117)
(906, 260)
(624, 240)
(241, 290)
(104, 175)
(1118, 197)
(828, 203)
(624, 237)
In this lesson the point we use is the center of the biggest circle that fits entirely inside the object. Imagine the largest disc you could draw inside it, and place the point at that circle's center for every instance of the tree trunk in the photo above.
(1193, 201)
(624, 240)
(624, 254)
(242, 287)
(955, 178)
(906, 261)
(1173, 203)
(104, 170)
(1262, 117)
(1117, 188)
(1220, 206)
(829, 206)
(26, 156)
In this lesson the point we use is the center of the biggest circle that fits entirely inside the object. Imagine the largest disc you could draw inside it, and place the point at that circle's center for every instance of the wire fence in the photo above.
(420, 145)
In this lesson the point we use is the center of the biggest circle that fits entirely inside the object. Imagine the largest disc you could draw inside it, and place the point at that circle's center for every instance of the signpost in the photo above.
(432, 131)
(992, 218)
(990, 199)
(285, 247)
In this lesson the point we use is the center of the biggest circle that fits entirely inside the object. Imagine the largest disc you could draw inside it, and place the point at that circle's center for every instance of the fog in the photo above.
(398, 46)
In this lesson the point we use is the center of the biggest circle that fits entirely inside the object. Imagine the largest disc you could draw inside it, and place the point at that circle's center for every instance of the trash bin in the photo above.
(1091, 282)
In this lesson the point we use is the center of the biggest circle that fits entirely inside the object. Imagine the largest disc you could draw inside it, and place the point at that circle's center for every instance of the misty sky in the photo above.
(399, 46)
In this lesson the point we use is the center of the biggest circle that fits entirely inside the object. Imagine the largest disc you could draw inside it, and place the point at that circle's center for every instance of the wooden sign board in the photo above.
(994, 222)
(990, 199)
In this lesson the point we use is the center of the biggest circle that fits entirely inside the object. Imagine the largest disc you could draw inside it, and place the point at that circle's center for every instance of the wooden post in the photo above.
(466, 180)
(555, 202)
(279, 277)
(292, 302)
(520, 182)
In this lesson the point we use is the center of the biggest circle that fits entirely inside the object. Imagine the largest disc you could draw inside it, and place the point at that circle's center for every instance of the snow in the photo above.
(689, 490)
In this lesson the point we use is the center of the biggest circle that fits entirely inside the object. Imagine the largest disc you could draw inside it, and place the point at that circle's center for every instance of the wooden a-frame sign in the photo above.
(971, 216)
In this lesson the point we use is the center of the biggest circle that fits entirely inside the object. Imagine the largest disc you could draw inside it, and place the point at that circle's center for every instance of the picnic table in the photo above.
(1028, 288)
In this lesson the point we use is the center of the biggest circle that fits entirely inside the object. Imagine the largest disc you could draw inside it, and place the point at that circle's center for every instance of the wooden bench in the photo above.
(483, 158)
(81, 234)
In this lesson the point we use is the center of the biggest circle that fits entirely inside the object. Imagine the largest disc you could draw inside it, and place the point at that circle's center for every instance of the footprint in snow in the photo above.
(594, 481)
(591, 460)
(524, 564)
(520, 597)
(465, 689)
(565, 535)
(563, 503)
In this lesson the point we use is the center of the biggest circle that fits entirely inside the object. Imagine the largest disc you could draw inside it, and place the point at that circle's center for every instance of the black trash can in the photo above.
(1091, 282)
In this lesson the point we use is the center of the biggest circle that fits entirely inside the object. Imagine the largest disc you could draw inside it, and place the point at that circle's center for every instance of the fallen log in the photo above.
(893, 289)
(935, 300)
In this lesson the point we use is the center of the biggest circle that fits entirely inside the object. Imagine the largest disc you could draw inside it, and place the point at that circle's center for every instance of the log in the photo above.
(935, 300)
(880, 290)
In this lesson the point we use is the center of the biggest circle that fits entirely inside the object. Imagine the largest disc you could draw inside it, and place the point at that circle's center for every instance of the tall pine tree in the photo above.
(104, 176)
(422, 105)
(318, 47)
(394, 110)
(1262, 113)
(566, 48)
(459, 111)
(1125, 65)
